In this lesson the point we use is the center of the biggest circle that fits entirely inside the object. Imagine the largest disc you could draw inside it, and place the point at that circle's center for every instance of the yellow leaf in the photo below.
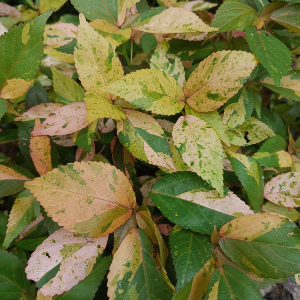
(44, 5)
(15, 88)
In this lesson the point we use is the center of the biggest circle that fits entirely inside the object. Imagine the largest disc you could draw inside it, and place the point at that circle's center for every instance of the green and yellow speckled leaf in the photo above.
(72, 257)
(265, 244)
(133, 273)
(160, 61)
(287, 212)
(141, 135)
(217, 78)
(113, 34)
(89, 198)
(44, 5)
(170, 20)
(284, 189)
(152, 90)
(200, 148)
(238, 113)
(250, 174)
(96, 61)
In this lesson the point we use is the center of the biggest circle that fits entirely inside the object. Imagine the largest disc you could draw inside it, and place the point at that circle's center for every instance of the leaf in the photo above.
(21, 51)
(170, 20)
(36, 95)
(217, 78)
(228, 282)
(64, 120)
(167, 195)
(160, 61)
(3, 107)
(286, 212)
(95, 59)
(84, 137)
(250, 175)
(238, 113)
(200, 148)
(24, 211)
(234, 15)
(106, 9)
(284, 189)
(133, 273)
(198, 5)
(13, 282)
(190, 251)
(72, 258)
(100, 197)
(152, 90)
(44, 5)
(40, 111)
(12, 180)
(66, 89)
(271, 52)
(288, 17)
(87, 288)
(9, 11)
(265, 244)
(113, 34)
(289, 85)
(267, 10)
(143, 137)
(214, 120)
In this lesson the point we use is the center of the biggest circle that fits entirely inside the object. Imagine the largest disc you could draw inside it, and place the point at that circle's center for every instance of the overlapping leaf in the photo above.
(265, 244)
(63, 260)
(218, 78)
(97, 197)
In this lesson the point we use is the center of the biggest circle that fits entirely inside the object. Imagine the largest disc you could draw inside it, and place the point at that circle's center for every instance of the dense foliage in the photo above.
(148, 150)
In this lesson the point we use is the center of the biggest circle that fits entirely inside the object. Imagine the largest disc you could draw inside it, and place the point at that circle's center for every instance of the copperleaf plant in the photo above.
(148, 152)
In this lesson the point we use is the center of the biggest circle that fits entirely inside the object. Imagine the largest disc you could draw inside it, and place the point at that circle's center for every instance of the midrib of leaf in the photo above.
(189, 251)
(223, 274)
(110, 12)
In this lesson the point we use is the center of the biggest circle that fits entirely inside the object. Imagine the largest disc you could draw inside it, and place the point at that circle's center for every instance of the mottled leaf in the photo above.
(141, 135)
(282, 211)
(64, 120)
(200, 148)
(170, 20)
(15, 88)
(217, 78)
(44, 5)
(152, 90)
(69, 259)
(99, 197)
(133, 273)
(167, 195)
(198, 5)
(9, 11)
(250, 174)
(265, 244)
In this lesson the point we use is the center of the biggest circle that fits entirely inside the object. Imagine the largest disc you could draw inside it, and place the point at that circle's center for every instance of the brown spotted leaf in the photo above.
(88, 198)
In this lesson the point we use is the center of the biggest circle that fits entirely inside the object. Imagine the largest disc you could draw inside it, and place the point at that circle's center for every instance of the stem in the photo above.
(126, 55)
(229, 41)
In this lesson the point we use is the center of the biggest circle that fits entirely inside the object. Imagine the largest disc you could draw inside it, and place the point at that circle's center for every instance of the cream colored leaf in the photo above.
(88, 198)
(284, 189)
(8, 11)
(43, 110)
(145, 190)
(95, 59)
(15, 88)
(63, 140)
(7, 173)
(198, 5)
(217, 78)
(152, 90)
(200, 148)
(64, 120)
(84, 155)
(75, 256)
(170, 20)
(40, 151)
(3, 29)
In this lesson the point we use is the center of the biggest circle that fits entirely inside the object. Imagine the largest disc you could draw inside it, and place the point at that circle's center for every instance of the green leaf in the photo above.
(271, 52)
(44, 5)
(238, 113)
(190, 251)
(66, 89)
(25, 210)
(170, 20)
(234, 15)
(282, 211)
(3, 226)
(228, 282)
(8, 136)
(133, 273)
(250, 175)
(288, 17)
(143, 137)
(13, 282)
(152, 90)
(168, 194)
(217, 78)
(200, 148)
(266, 11)
(148, 42)
(3, 107)
(260, 4)
(21, 51)
(36, 95)
(265, 244)
(289, 85)
(84, 137)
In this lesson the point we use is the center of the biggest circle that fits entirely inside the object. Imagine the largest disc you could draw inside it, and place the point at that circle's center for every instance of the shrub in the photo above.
(148, 153)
